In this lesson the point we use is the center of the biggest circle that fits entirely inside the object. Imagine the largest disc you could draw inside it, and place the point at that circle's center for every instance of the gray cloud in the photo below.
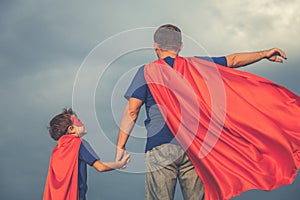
(42, 45)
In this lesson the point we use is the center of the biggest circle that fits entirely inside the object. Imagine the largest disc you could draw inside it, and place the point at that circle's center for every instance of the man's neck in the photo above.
(163, 54)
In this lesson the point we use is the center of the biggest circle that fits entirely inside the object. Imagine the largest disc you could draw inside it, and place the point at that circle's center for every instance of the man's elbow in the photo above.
(133, 113)
(133, 108)
(232, 61)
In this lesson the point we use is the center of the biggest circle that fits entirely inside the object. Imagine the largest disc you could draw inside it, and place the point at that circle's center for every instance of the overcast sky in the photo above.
(46, 46)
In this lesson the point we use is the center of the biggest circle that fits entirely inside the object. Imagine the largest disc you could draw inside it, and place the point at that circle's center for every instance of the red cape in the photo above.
(240, 131)
(62, 180)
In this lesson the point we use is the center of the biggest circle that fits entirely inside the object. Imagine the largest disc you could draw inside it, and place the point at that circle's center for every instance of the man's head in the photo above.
(66, 123)
(168, 38)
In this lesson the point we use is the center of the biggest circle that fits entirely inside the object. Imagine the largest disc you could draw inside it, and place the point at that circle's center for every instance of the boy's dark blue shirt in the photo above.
(86, 156)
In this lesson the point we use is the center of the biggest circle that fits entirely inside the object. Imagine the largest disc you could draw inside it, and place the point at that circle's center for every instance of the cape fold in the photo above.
(62, 179)
(241, 131)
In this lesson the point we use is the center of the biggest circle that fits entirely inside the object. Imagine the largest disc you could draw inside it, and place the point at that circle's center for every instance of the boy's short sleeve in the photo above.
(87, 154)
(218, 60)
(138, 86)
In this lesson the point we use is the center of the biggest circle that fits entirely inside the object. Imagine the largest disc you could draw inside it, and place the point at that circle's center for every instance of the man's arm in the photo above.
(242, 59)
(129, 118)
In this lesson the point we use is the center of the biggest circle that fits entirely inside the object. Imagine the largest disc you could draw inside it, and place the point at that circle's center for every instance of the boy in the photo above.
(67, 175)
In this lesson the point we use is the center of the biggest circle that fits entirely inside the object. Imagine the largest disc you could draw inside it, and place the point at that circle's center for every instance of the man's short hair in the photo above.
(60, 123)
(168, 37)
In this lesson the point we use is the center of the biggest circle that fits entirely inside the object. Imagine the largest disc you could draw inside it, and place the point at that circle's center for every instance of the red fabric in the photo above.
(62, 180)
(240, 131)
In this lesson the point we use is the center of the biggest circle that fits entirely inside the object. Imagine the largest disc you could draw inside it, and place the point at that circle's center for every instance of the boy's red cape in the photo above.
(62, 180)
(240, 131)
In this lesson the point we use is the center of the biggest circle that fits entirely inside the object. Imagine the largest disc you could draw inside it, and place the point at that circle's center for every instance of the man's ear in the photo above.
(181, 46)
(155, 45)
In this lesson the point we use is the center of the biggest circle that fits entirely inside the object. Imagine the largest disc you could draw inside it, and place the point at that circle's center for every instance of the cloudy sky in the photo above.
(55, 54)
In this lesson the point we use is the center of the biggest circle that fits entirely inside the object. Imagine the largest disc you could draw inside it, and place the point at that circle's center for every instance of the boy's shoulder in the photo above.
(85, 147)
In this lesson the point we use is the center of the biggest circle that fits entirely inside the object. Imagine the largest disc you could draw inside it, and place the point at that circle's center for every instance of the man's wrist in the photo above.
(121, 147)
(263, 54)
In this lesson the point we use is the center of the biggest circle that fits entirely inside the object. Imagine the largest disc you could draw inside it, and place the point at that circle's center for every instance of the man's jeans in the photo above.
(164, 165)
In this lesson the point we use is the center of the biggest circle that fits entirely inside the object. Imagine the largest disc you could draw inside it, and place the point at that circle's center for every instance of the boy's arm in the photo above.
(242, 59)
(107, 166)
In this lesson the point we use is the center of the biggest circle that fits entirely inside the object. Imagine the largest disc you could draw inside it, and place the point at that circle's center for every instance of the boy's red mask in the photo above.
(76, 121)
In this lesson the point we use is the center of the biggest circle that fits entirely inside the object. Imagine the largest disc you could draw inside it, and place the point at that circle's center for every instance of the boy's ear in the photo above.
(70, 129)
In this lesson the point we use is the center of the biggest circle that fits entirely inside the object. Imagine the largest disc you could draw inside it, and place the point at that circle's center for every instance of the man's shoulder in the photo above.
(221, 60)
(139, 73)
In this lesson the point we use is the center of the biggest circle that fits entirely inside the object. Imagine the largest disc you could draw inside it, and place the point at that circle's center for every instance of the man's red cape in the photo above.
(240, 131)
(62, 180)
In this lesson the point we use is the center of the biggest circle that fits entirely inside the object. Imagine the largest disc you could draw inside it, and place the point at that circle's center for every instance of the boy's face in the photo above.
(79, 125)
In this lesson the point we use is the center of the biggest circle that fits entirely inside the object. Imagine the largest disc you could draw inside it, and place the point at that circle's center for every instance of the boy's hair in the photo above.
(60, 123)
(168, 37)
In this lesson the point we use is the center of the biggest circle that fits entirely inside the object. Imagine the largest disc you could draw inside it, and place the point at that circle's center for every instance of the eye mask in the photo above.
(76, 121)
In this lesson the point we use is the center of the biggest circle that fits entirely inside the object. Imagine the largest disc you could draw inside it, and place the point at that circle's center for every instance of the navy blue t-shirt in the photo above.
(157, 130)
(86, 156)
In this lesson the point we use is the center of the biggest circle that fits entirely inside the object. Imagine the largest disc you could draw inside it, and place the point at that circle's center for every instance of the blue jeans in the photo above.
(165, 164)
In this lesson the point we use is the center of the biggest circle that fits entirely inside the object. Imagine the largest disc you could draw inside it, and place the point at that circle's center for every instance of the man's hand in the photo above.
(119, 154)
(123, 156)
(243, 59)
(274, 55)
(125, 159)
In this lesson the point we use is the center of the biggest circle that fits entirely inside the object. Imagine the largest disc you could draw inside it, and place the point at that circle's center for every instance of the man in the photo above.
(166, 160)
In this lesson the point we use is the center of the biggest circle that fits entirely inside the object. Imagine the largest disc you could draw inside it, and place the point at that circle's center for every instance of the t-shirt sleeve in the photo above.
(87, 154)
(138, 86)
(218, 60)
